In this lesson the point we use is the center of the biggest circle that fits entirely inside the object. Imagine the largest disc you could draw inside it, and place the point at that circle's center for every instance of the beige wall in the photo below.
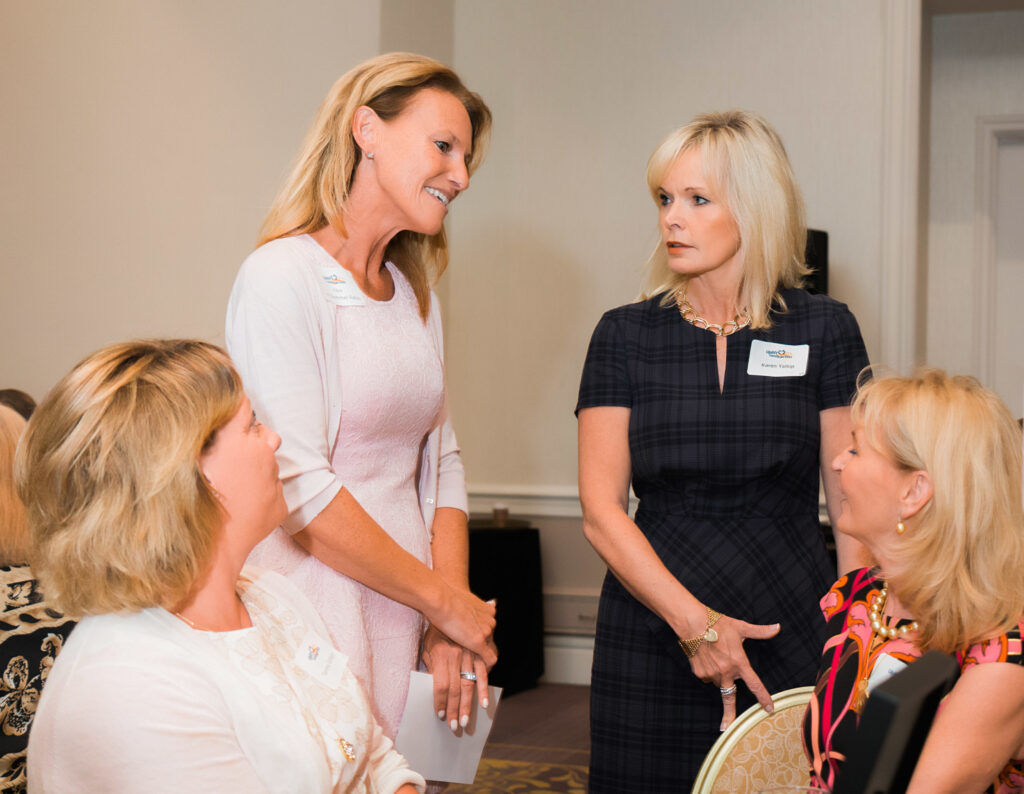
(143, 141)
(558, 221)
(141, 145)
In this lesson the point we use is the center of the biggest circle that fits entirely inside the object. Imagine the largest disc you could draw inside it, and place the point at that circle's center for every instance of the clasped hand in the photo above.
(462, 642)
(724, 662)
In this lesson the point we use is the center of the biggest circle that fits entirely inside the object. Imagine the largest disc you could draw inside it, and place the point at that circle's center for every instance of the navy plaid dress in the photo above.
(728, 489)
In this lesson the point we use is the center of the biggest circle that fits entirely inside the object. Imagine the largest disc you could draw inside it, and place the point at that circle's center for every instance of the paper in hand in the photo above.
(430, 746)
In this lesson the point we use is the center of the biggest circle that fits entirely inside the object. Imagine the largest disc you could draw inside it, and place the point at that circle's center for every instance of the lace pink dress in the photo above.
(393, 394)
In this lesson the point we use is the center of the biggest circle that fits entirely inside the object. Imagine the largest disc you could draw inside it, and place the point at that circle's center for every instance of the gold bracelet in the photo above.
(690, 647)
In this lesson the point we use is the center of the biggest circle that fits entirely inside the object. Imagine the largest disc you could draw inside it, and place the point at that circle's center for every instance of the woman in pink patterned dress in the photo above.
(931, 485)
(337, 335)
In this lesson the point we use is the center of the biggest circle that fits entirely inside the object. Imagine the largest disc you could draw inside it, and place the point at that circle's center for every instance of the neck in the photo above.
(716, 304)
(369, 225)
(213, 603)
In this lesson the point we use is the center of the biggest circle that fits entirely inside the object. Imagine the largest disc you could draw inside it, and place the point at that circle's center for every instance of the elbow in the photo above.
(591, 526)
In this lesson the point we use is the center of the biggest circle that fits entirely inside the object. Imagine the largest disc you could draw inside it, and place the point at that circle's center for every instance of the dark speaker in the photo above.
(816, 257)
(504, 564)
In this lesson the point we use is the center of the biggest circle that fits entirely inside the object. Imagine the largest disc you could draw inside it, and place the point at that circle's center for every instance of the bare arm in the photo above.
(604, 472)
(344, 536)
(978, 730)
(836, 427)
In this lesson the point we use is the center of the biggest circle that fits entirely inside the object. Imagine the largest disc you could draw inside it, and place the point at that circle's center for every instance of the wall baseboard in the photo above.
(567, 659)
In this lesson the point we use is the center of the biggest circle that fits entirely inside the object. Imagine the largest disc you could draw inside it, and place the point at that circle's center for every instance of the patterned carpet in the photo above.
(540, 744)
(496, 776)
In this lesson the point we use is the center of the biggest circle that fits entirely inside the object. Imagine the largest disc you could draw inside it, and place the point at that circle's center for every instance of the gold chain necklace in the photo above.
(686, 310)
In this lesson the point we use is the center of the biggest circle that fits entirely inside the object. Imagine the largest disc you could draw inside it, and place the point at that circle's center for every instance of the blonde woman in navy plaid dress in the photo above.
(717, 395)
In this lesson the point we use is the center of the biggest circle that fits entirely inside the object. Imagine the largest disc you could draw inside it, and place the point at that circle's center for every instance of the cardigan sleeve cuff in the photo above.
(300, 517)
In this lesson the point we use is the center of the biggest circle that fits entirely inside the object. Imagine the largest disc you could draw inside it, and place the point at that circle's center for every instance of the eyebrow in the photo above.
(688, 189)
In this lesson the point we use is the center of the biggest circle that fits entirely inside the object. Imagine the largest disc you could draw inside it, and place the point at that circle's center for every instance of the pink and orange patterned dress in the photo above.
(850, 655)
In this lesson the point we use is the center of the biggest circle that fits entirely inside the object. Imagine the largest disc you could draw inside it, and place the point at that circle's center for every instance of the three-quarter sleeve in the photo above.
(843, 358)
(275, 338)
(605, 379)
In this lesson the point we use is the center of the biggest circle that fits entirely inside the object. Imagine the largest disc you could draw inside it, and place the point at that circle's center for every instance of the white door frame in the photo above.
(901, 145)
(990, 131)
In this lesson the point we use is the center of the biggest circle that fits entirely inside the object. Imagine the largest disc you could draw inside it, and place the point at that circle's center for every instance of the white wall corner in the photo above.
(901, 126)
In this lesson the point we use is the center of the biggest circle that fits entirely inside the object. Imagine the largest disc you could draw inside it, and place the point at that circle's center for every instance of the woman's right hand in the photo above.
(724, 663)
(466, 620)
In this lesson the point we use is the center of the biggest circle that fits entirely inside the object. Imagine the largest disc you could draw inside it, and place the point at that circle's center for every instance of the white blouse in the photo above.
(142, 702)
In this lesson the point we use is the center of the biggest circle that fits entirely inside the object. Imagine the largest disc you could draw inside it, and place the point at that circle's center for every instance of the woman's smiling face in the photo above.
(420, 159)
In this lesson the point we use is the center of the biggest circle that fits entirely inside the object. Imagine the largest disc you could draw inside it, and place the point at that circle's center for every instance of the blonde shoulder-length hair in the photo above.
(120, 516)
(957, 568)
(13, 527)
(745, 162)
(316, 192)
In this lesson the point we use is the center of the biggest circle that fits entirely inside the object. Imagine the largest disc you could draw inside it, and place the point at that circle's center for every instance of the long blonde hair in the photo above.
(316, 192)
(119, 513)
(13, 526)
(958, 567)
(745, 161)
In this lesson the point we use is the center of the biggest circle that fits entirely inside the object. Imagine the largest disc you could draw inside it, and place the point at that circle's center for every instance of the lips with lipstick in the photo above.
(444, 199)
(675, 247)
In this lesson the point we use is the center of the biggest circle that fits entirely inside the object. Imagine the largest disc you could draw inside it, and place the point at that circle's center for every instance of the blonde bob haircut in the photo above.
(316, 192)
(13, 527)
(745, 163)
(957, 567)
(119, 513)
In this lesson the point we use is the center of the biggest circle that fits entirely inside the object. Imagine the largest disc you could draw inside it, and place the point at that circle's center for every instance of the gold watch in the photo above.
(690, 647)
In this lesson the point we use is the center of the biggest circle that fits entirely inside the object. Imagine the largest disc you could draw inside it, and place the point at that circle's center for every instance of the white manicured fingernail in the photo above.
(464, 720)
(722, 727)
(440, 715)
(453, 725)
(485, 703)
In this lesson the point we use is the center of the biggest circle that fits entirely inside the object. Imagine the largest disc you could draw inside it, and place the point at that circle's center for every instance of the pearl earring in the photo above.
(900, 526)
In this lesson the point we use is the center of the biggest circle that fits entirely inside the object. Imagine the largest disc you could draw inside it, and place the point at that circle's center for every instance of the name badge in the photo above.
(886, 667)
(319, 658)
(339, 287)
(775, 360)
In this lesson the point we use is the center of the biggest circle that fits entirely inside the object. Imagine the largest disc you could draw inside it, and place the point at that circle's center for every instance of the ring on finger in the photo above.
(468, 676)
(727, 690)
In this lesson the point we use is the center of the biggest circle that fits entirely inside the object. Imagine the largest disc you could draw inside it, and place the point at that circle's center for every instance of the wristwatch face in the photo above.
(711, 635)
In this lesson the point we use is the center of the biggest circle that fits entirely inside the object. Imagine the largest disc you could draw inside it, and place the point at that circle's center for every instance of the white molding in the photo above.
(901, 143)
(567, 659)
(547, 501)
(990, 131)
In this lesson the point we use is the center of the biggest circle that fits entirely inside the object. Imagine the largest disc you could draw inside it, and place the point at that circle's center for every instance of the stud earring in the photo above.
(900, 526)
(369, 155)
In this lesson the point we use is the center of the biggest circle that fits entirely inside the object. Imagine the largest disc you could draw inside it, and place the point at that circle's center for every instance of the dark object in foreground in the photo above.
(895, 724)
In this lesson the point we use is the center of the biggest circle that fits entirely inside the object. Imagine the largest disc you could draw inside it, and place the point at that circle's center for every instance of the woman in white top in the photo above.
(147, 482)
(337, 335)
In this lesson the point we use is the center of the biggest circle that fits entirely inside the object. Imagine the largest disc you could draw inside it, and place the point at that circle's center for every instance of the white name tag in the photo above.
(775, 360)
(319, 658)
(339, 287)
(885, 668)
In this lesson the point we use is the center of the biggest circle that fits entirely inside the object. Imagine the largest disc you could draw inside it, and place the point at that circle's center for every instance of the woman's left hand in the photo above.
(453, 692)
(724, 663)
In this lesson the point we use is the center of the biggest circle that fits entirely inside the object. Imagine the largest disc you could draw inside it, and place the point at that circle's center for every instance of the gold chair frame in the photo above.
(741, 726)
